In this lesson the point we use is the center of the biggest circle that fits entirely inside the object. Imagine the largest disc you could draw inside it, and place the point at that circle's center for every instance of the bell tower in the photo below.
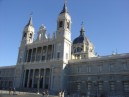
(64, 24)
(63, 35)
(27, 38)
(63, 43)
(28, 33)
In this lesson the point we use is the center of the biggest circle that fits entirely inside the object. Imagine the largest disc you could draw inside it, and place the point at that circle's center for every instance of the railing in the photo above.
(33, 92)
(6, 92)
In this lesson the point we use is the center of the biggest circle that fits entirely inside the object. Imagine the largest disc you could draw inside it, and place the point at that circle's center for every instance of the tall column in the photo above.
(41, 54)
(52, 51)
(39, 73)
(44, 78)
(24, 79)
(33, 78)
(28, 80)
(46, 53)
(35, 55)
(31, 56)
(27, 56)
(52, 77)
(38, 83)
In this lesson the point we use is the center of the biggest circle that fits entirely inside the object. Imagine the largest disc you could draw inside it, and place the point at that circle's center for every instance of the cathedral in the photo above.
(58, 63)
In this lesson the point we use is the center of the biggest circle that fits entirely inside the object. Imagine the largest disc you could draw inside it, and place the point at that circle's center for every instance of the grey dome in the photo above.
(79, 39)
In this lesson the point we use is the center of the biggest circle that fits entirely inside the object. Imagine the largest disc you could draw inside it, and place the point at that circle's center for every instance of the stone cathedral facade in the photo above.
(58, 63)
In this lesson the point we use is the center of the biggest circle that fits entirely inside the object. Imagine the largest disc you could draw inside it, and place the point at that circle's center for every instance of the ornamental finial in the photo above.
(65, 1)
(64, 8)
(82, 29)
(82, 24)
(31, 14)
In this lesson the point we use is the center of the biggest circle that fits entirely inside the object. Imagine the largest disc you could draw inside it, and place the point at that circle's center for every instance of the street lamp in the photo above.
(38, 82)
(38, 77)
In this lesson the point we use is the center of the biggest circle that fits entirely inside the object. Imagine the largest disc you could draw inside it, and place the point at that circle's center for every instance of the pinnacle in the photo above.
(64, 8)
(30, 22)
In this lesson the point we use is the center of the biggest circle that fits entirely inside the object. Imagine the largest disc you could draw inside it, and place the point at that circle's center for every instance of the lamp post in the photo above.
(38, 82)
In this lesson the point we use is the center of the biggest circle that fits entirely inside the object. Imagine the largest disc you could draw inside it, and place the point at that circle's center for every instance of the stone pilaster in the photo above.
(44, 78)
(23, 85)
(33, 78)
(28, 80)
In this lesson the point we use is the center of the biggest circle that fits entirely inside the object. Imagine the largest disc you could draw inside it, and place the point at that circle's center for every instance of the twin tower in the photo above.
(62, 37)
(44, 55)
(63, 29)
(49, 57)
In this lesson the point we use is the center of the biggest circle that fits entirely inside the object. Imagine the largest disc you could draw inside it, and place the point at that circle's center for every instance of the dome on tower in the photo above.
(82, 47)
(81, 38)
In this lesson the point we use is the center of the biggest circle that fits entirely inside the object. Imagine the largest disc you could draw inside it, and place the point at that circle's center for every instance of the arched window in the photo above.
(79, 49)
(30, 35)
(68, 25)
(58, 55)
(60, 24)
(74, 50)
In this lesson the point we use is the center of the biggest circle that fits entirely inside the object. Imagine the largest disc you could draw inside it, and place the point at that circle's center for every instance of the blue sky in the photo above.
(106, 23)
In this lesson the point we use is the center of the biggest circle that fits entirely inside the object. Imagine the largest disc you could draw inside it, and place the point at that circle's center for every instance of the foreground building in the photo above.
(57, 63)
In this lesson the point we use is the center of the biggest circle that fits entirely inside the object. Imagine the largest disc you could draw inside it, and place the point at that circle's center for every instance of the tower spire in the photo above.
(30, 21)
(64, 8)
(65, 2)
(82, 29)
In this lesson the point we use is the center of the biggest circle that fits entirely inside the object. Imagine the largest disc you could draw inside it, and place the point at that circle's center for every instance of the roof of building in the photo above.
(101, 58)
(8, 67)
(81, 37)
